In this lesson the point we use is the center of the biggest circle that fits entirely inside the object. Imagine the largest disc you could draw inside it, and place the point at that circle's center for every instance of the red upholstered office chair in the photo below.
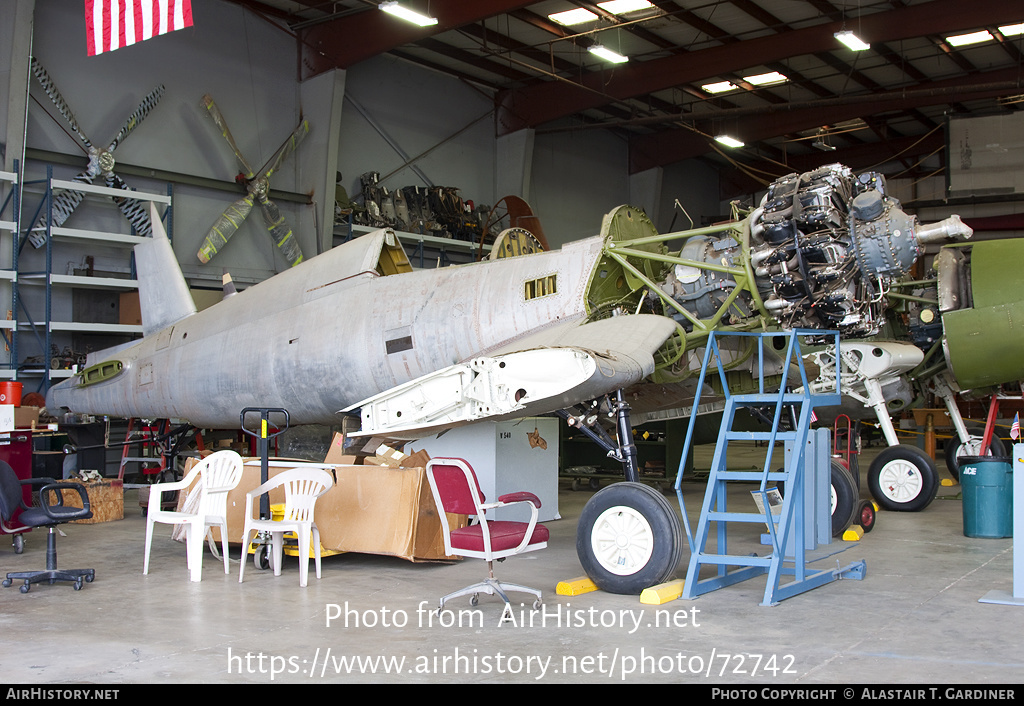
(457, 491)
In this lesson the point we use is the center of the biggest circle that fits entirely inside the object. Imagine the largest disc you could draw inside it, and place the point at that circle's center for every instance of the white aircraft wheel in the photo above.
(903, 478)
(956, 449)
(628, 538)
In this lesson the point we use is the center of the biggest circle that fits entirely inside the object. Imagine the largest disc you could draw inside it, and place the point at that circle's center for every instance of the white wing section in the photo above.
(552, 370)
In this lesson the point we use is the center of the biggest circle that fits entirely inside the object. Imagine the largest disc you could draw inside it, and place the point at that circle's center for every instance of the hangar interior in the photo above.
(500, 134)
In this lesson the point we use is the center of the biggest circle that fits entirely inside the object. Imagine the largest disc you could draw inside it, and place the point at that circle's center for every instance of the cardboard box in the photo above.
(106, 500)
(26, 417)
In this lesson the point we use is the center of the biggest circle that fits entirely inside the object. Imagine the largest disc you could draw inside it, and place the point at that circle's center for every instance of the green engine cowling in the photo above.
(984, 340)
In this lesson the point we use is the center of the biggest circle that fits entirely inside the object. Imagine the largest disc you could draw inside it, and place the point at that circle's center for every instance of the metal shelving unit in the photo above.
(10, 215)
(44, 329)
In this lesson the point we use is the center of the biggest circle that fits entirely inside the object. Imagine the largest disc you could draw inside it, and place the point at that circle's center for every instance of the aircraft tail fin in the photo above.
(164, 296)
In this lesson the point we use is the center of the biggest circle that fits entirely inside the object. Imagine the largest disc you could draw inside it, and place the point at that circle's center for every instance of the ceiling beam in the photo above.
(668, 147)
(343, 42)
(534, 105)
(736, 182)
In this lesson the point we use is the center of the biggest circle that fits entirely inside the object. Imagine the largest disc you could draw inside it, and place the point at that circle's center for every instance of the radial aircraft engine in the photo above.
(603, 326)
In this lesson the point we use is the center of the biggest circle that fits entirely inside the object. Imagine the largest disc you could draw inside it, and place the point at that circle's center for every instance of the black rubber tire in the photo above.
(845, 490)
(261, 557)
(895, 465)
(954, 449)
(866, 516)
(623, 505)
(846, 497)
(19, 543)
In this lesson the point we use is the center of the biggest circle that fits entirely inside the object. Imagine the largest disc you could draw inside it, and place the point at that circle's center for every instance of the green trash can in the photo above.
(987, 485)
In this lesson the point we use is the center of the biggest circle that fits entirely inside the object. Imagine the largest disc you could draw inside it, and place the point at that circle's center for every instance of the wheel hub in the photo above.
(622, 540)
(901, 480)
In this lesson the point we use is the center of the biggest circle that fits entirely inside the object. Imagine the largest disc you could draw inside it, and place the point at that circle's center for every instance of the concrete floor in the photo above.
(914, 618)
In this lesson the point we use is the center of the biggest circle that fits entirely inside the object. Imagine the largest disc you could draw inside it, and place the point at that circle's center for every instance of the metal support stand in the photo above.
(1017, 597)
(791, 533)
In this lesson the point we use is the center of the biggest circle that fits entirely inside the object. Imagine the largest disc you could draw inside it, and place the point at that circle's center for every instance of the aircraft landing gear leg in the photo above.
(628, 538)
(622, 449)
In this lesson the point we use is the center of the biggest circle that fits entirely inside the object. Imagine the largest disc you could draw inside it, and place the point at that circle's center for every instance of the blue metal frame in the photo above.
(789, 532)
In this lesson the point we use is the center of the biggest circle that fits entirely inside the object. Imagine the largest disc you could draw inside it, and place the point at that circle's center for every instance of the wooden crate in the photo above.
(106, 500)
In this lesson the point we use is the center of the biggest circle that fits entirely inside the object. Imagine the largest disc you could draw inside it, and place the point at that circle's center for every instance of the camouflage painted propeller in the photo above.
(101, 163)
(257, 188)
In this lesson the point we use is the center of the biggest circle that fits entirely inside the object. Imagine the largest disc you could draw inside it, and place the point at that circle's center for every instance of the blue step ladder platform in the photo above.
(797, 535)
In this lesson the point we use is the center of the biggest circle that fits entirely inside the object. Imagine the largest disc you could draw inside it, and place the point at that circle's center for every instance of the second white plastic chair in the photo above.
(302, 486)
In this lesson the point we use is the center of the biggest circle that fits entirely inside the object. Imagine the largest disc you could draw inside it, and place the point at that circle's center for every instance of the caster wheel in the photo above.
(78, 585)
(261, 557)
(90, 578)
(25, 587)
(575, 484)
(474, 600)
(866, 516)
(537, 604)
(19, 544)
(7, 583)
(594, 484)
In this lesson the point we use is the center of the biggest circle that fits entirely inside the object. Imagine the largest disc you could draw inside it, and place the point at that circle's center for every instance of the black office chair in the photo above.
(46, 515)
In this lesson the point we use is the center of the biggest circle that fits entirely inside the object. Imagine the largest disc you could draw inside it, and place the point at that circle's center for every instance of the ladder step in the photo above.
(752, 475)
(734, 560)
(759, 435)
(737, 517)
(773, 399)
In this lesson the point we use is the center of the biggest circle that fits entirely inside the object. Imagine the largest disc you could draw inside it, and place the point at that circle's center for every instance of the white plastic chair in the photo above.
(302, 486)
(206, 507)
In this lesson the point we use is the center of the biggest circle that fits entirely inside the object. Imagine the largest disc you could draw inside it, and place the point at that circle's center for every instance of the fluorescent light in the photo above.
(393, 8)
(573, 17)
(720, 87)
(728, 141)
(621, 7)
(607, 54)
(1012, 30)
(972, 38)
(765, 79)
(852, 40)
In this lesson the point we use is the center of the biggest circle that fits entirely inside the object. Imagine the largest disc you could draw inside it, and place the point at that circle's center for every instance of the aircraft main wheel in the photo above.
(903, 478)
(629, 538)
(956, 449)
(843, 495)
(844, 499)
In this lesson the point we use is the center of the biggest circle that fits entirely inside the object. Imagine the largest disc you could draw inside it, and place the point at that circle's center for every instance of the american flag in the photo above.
(113, 24)
(1015, 427)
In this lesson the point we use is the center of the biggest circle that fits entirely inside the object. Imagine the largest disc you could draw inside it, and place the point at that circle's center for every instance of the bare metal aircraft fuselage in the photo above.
(332, 331)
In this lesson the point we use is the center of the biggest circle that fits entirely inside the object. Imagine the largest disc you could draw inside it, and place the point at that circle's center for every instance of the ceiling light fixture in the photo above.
(765, 79)
(621, 7)
(972, 38)
(821, 141)
(728, 141)
(719, 87)
(607, 54)
(1012, 30)
(573, 17)
(851, 40)
(393, 8)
